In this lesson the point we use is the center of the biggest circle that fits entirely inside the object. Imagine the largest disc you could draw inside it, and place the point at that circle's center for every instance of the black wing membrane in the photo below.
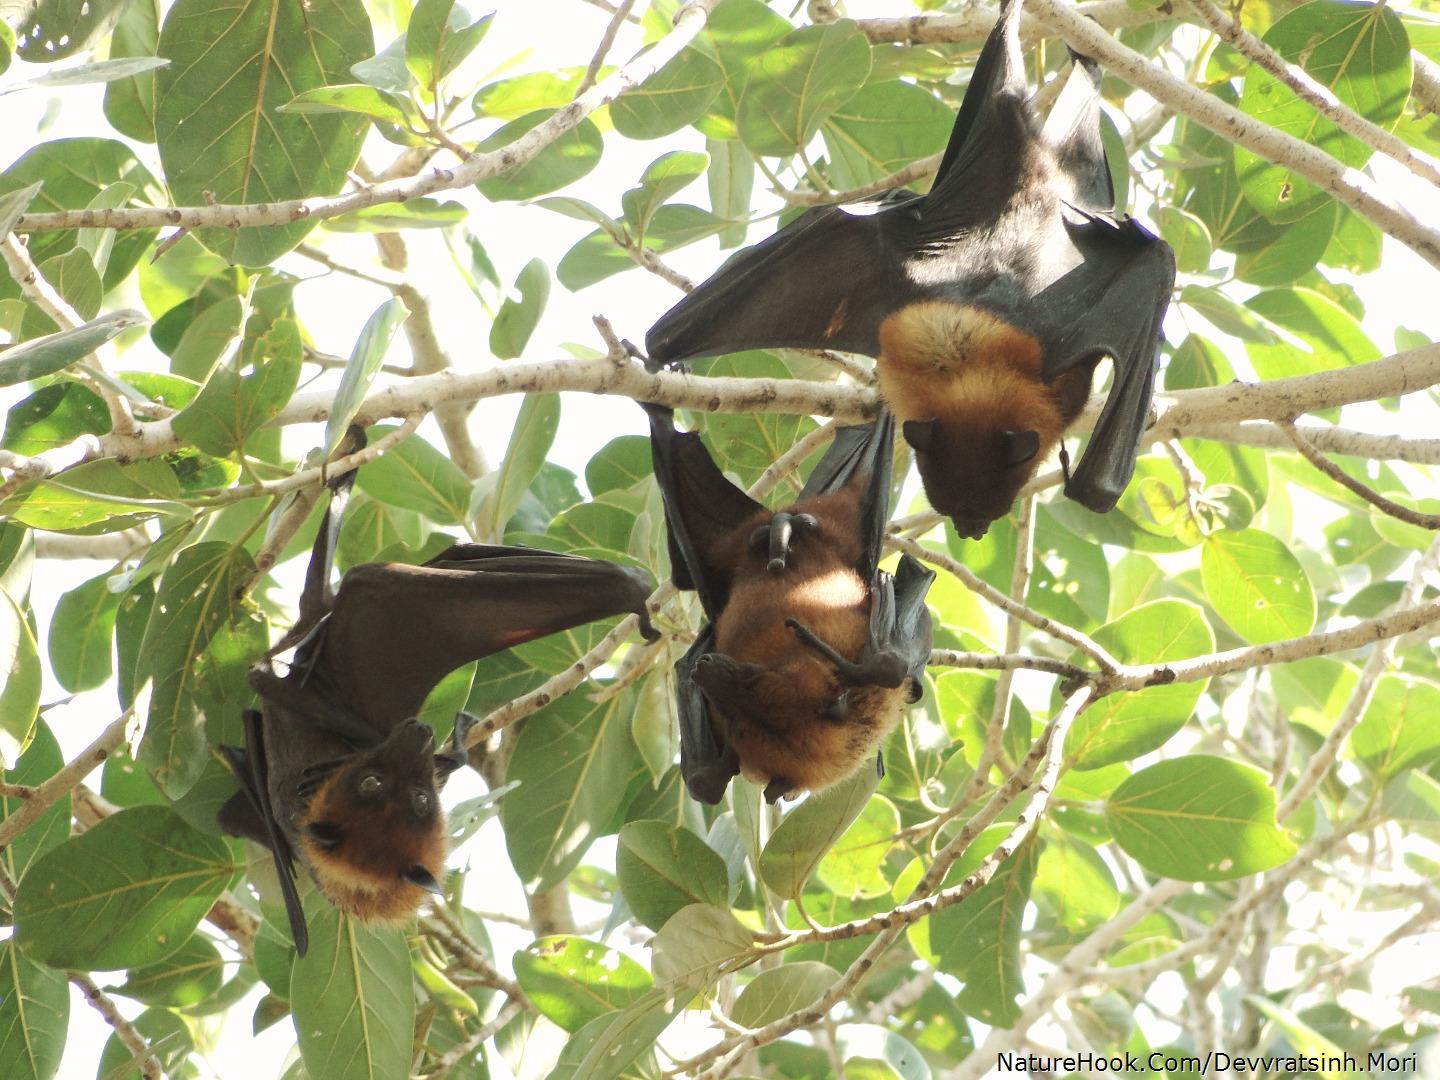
(1112, 305)
(861, 450)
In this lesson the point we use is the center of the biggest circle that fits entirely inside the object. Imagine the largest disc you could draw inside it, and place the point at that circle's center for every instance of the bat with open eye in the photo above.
(336, 771)
(811, 652)
(987, 302)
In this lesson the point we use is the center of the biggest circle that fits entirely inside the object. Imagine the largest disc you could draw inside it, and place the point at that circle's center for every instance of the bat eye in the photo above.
(837, 711)
(1020, 446)
(371, 784)
(421, 802)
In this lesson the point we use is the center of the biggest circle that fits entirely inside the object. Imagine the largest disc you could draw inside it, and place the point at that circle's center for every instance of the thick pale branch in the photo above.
(976, 22)
(1332, 440)
(63, 782)
(476, 167)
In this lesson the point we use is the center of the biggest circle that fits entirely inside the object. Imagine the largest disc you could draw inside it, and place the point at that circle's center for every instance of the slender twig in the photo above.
(592, 71)
(56, 787)
(481, 1035)
(140, 1053)
(447, 927)
(899, 178)
(1007, 662)
(1345, 480)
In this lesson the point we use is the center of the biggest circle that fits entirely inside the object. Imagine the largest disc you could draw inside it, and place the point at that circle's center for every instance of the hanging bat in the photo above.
(810, 653)
(336, 771)
(987, 302)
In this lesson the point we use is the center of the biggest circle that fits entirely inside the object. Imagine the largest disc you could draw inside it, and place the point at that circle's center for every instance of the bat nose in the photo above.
(971, 528)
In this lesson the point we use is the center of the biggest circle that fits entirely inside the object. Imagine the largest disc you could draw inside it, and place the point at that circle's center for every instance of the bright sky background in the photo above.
(557, 33)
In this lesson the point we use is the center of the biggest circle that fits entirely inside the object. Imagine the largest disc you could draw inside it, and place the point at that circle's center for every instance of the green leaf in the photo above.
(232, 406)
(97, 497)
(855, 866)
(221, 135)
(981, 939)
(1199, 818)
(361, 369)
(7, 46)
(606, 1047)
(438, 39)
(1291, 252)
(795, 84)
(1074, 885)
(530, 440)
(1226, 315)
(184, 978)
(20, 694)
(56, 29)
(621, 463)
(676, 95)
(100, 71)
(693, 945)
(352, 997)
(413, 475)
(162, 1030)
(662, 869)
(597, 256)
(40, 761)
(1124, 726)
(517, 319)
(521, 94)
(1189, 238)
(573, 981)
(13, 205)
(731, 180)
(564, 161)
(352, 98)
(80, 633)
(127, 892)
(74, 172)
(1333, 336)
(1257, 585)
(1398, 730)
(573, 764)
(130, 102)
(781, 991)
(663, 178)
(34, 1015)
(883, 128)
(812, 829)
(198, 594)
(396, 217)
(735, 34)
(1361, 54)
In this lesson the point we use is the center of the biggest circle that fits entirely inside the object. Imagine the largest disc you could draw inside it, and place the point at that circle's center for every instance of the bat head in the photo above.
(373, 833)
(997, 462)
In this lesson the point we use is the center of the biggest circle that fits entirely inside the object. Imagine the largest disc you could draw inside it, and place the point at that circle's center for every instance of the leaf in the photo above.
(521, 94)
(352, 98)
(811, 829)
(619, 464)
(438, 38)
(13, 206)
(731, 180)
(100, 71)
(1188, 236)
(56, 29)
(597, 256)
(1074, 885)
(1257, 585)
(663, 178)
(883, 128)
(572, 981)
(40, 761)
(184, 978)
(573, 764)
(517, 319)
(855, 866)
(676, 95)
(1361, 54)
(662, 869)
(781, 991)
(232, 406)
(1398, 729)
(571, 156)
(799, 81)
(361, 369)
(530, 440)
(221, 135)
(127, 892)
(394, 217)
(130, 102)
(736, 33)
(97, 497)
(80, 633)
(693, 945)
(160, 1029)
(34, 1015)
(198, 594)
(1124, 726)
(352, 997)
(1199, 818)
(413, 475)
(605, 1048)
(20, 665)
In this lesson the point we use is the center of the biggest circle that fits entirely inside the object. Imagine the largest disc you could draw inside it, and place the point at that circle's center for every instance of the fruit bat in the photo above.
(987, 302)
(810, 652)
(336, 771)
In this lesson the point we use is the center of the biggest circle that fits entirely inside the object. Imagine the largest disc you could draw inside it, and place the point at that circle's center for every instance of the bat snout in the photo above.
(971, 528)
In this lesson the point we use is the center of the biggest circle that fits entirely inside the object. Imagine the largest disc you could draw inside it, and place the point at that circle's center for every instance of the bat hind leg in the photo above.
(875, 668)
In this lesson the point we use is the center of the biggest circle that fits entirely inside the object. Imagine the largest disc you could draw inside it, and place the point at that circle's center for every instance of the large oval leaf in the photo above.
(573, 981)
(1399, 729)
(1257, 585)
(1199, 818)
(217, 120)
(798, 82)
(34, 1015)
(126, 893)
(811, 829)
(564, 161)
(663, 869)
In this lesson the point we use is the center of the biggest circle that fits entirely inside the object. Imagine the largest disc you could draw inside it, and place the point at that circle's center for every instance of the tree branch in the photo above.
(1345, 480)
(56, 787)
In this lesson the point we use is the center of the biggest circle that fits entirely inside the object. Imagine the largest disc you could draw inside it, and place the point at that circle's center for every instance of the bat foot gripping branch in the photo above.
(775, 537)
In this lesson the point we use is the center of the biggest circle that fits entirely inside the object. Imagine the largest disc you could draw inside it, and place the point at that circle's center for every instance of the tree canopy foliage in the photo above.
(1175, 781)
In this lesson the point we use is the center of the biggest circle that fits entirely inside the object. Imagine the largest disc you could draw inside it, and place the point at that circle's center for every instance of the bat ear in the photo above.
(418, 875)
(1021, 446)
(920, 434)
